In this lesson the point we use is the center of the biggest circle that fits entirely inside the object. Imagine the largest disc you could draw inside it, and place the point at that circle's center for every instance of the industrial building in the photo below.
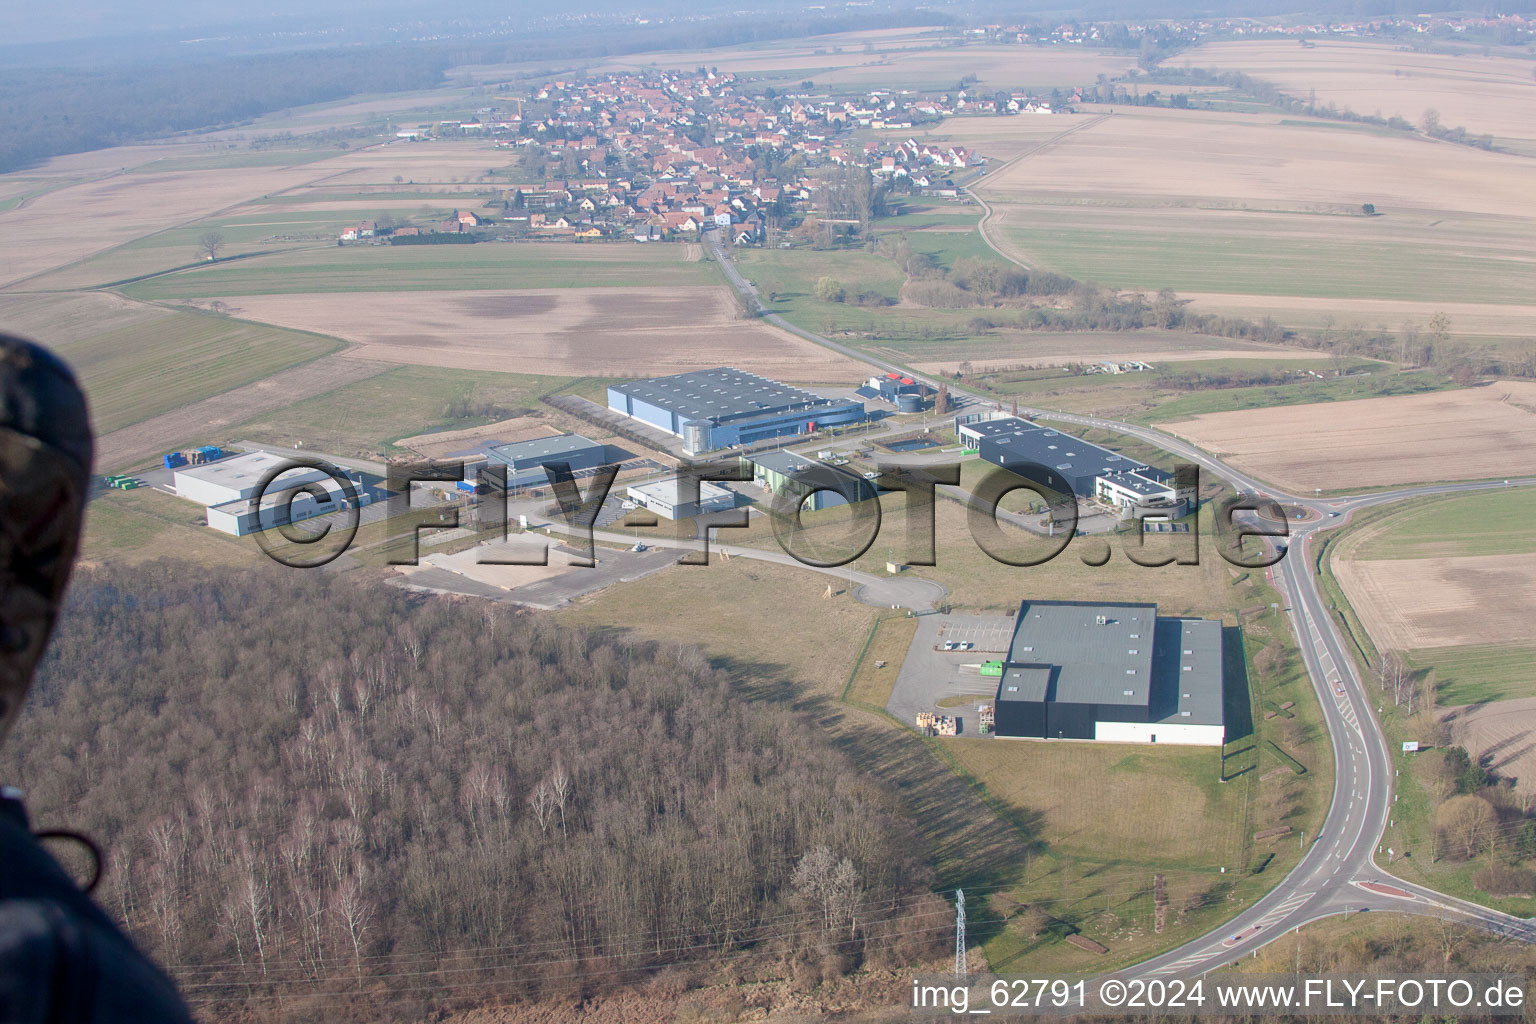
(226, 489)
(1111, 672)
(724, 407)
(1070, 465)
(906, 394)
(817, 484)
(525, 460)
(667, 498)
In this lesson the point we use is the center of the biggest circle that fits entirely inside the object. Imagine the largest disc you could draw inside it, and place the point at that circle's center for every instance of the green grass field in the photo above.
(144, 369)
(142, 525)
(1162, 805)
(1482, 672)
(367, 416)
(1488, 523)
(1273, 256)
(437, 267)
(1183, 405)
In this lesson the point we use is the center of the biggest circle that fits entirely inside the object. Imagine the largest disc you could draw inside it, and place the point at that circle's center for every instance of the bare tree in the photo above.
(560, 784)
(542, 801)
(829, 884)
(353, 913)
(1439, 329)
(1467, 821)
(1393, 673)
(210, 243)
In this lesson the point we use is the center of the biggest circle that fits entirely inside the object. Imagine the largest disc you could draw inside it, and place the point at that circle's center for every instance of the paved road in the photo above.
(910, 592)
(1339, 871)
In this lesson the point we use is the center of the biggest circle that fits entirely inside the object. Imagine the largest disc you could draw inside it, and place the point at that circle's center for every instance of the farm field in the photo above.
(1468, 434)
(1180, 389)
(917, 58)
(606, 332)
(1257, 213)
(142, 442)
(1502, 735)
(387, 268)
(138, 361)
(1419, 577)
(121, 207)
(1490, 93)
(1206, 159)
(1046, 348)
(1489, 523)
(1409, 604)
(1408, 257)
(418, 163)
(271, 230)
(364, 416)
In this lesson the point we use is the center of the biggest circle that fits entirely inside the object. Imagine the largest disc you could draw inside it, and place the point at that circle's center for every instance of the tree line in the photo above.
(47, 112)
(307, 785)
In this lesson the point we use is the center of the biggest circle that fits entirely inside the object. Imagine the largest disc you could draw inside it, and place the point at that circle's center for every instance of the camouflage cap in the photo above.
(45, 465)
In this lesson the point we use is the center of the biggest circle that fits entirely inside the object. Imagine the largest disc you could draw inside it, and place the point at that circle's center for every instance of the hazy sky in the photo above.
(30, 22)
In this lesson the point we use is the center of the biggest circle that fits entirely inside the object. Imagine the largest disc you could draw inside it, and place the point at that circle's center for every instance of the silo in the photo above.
(696, 437)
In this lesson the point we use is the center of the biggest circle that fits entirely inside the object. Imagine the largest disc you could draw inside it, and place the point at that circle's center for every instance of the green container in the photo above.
(992, 668)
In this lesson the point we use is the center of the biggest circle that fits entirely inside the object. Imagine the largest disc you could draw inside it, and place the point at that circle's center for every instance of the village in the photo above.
(661, 156)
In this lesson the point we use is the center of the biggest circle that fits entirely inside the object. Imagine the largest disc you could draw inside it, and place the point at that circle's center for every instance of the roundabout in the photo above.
(1275, 512)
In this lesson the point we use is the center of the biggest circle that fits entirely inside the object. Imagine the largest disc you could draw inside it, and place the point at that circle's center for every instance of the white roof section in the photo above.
(240, 474)
(668, 492)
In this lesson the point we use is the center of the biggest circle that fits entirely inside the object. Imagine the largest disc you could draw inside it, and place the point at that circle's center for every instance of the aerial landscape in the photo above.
(828, 507)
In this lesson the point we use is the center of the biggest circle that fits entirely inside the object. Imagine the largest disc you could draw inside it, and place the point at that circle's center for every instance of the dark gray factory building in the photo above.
(1111, 672)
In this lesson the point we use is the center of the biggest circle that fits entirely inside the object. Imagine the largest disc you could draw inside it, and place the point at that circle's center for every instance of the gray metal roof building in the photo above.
(724, 406)
(1052, 458)
(579, 452)
(720, 394)
(1111, 671)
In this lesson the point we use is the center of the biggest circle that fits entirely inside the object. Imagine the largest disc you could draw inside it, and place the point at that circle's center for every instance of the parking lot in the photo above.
(988, 634)
(930, 674)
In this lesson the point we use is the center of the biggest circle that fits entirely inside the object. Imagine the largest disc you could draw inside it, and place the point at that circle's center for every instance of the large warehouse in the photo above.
(719, 408)
(1111, 672)
(226, 488)
(1070, 465)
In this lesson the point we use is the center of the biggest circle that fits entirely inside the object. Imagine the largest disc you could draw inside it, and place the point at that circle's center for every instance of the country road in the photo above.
(1338, 873)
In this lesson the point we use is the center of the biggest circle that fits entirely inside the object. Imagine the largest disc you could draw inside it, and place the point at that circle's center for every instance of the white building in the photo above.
(666, 498)
(227, 489)
(236, 478)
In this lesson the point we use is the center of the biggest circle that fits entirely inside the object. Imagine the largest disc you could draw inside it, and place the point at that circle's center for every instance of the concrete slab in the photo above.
(929, 675)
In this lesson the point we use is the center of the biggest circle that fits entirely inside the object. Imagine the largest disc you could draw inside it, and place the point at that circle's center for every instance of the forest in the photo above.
(46, 112)
(308, 786)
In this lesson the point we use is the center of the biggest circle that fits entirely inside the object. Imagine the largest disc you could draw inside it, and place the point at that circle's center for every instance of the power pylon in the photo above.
(960, 970)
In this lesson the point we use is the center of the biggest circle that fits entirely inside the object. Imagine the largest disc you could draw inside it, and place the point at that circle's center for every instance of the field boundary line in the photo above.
(987, 209)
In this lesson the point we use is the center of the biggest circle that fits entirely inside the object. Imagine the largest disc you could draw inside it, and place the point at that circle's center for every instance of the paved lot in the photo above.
(989, 633)
(928, 676)
(612, 567)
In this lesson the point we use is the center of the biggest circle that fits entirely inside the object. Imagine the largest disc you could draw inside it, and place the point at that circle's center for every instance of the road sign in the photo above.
(1411, 746)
